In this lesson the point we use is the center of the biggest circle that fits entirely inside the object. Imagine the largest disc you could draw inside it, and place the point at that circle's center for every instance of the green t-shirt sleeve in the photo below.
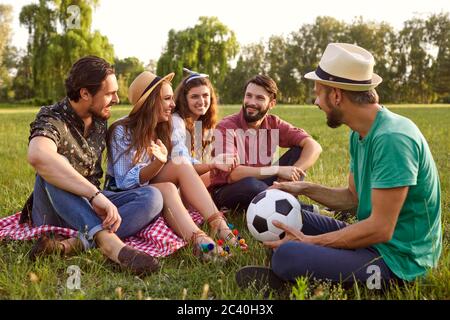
(350, 148)
(351, 164)
(395, 161)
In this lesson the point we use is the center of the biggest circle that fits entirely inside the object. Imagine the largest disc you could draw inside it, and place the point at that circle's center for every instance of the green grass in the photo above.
(182, 275)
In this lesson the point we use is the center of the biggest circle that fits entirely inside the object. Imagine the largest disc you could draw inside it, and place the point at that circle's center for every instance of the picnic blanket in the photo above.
(156, 240)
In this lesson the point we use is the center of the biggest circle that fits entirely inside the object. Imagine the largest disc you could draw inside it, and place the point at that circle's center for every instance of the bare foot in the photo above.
(205, 247)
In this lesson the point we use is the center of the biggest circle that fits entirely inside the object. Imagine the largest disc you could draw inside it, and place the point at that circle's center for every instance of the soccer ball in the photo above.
(269, 205)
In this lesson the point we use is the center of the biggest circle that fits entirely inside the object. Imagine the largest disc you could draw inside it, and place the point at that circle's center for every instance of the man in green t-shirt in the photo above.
(393, 184)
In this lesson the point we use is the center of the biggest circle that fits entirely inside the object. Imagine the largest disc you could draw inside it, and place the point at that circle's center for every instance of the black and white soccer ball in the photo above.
(269, 205)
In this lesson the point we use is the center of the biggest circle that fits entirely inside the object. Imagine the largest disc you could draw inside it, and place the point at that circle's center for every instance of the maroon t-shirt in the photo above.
(255, 148)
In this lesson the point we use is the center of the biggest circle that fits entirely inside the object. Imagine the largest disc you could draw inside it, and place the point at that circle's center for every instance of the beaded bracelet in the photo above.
(92, 198)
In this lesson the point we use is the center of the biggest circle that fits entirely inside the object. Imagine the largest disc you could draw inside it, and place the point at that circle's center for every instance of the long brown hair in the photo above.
(209, 119)
(142, 127)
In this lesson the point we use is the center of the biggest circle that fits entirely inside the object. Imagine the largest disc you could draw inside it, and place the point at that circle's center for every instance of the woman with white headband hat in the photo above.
(193, 120)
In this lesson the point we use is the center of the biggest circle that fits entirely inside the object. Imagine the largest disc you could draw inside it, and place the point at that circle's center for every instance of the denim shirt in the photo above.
(179, 139)
(122, 173)
(120, 170)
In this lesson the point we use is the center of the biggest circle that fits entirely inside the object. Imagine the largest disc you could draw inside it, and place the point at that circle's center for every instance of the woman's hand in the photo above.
(225, 162)
(159, 150)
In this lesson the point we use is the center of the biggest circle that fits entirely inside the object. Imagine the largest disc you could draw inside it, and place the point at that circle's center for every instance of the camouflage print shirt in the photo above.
(60, 123)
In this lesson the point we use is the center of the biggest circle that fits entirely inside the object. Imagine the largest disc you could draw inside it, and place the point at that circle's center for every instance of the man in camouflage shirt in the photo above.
(66, 143)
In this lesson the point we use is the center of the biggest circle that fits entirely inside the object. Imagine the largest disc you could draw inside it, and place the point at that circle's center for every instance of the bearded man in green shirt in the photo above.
(393, 184)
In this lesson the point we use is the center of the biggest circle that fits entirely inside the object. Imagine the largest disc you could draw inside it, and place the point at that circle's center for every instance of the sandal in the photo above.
(232, 235)
(207, 250)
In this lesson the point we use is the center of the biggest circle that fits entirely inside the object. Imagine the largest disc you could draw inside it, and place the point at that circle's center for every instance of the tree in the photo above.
(207, 47)
(413, 40)
(46, 46)
(126, 70)
(381, 40)
(251, 61)
(283, 70)
(438, 27)
(39, 19)
(152, 65)
(5, 30)
(305, 47)
(7, 52)
(23, 81)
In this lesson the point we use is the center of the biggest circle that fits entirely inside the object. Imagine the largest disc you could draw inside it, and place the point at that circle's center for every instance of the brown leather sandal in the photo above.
(218, 231)
(232, 236)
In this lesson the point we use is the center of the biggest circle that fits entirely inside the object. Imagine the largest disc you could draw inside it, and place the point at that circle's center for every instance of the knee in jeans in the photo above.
(296, 152)
(253, 186)
(153, 200)
(284, 258)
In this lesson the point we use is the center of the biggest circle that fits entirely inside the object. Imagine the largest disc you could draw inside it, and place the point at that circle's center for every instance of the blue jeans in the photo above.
(239, 194)
(295, 259)
(53, 206)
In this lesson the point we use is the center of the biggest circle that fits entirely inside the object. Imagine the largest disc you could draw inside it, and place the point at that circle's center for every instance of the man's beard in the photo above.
(334, 118)
(101, 113)
(258, 116)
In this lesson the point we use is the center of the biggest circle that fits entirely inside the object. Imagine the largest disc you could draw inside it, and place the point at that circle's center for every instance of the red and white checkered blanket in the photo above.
(157, 239)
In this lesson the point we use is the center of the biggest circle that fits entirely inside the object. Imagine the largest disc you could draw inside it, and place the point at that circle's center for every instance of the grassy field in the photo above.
(182, 275)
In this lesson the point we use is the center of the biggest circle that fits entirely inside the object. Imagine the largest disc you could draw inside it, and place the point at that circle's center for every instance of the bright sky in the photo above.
(140, 27)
